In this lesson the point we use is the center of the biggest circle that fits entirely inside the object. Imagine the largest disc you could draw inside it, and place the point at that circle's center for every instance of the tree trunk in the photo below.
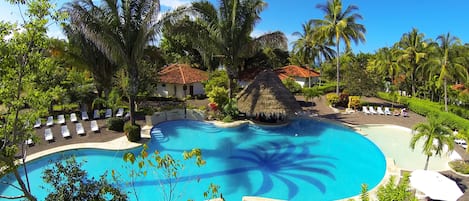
(23, 187)
(426, 162)
(337, 65)
(446, 95)
(133, 73)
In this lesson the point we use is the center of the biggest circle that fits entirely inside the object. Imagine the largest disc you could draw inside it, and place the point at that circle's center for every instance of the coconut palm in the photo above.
(121, 30)
(224, 32)
(447, 61)
(339, 25)
(435, 137)
(386, 63)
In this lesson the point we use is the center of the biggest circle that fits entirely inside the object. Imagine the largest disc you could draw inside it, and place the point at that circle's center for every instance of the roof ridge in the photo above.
(182, 74)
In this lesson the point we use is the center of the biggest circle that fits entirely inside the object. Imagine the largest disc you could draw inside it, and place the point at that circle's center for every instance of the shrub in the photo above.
(460, 166)
(353, 102)
(332, 98)
(218, 95)
(292, 85)
(231, 109)
(115, 124)
(228, 119)
(132, 132)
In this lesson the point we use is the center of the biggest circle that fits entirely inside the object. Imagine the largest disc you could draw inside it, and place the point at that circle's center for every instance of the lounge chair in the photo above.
(73, 117)
(79, 128)
(65, 132)
(96, 114)
(387, 111)
(61, 119)
(108, 113)
(365, 110)
(84, 116)
(120, 112)
(29, 142)
(396, 112)
(94, 126)
(380, 110)
(48, 134)
(372, 110)
(404, 113)
(37, 124)
(50, 121)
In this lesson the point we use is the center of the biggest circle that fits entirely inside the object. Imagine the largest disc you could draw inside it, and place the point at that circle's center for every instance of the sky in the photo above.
(385, 20)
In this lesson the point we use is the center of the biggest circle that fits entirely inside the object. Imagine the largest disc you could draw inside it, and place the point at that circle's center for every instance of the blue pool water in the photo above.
(306, 160)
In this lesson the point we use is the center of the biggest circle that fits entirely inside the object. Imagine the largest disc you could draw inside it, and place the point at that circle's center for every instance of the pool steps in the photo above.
(157, 134)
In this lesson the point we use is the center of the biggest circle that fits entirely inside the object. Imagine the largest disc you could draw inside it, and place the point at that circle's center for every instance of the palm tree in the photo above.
(224, 32)
(386, 62)
(413, 50)
(446, 52)
(435, 137)
(339, 25)
(121, 30)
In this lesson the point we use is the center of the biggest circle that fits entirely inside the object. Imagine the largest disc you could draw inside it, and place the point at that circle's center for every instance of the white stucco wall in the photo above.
(177, 90)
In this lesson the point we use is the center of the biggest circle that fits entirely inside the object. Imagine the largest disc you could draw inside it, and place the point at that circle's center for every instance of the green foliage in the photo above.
(353, 102)
(167, 167)
(310, 93)
(328, 87)
(228, 119)
(396, 191)
(231, 108)
(291, 85)
(460, 166)
(132, 132)
(218, 78)
(70, 182)
(332, 98)
(115, 124)
(218, 95)
(364, 193)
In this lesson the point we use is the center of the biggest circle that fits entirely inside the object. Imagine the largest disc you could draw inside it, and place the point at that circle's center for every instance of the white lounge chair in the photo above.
(380, 110)
(120, 112)
(96, 114)
(387, 111)
(73, 117)
(29, 142)
(84, 116)
(372, 110)
(65, 132)
(50, 121)
(61, 119)
(38, 123)
(108, 113)
(79, 128)
(48, 134)
(365, 110)
(94, 126)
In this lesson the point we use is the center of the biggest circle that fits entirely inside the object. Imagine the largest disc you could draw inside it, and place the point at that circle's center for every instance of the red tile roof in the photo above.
(295, 71)
(181, 74)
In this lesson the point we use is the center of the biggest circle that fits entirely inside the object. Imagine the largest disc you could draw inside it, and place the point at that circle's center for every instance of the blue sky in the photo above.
(385, 21)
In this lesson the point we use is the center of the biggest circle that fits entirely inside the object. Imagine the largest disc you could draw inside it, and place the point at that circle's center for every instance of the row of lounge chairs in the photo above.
(80, 130)
(379, 110)
(74, 118)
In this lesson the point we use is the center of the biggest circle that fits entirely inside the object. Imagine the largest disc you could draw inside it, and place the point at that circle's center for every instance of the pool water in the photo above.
(305, 160)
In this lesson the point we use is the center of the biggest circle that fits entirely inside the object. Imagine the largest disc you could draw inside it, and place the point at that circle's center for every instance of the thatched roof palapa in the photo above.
(266, 94)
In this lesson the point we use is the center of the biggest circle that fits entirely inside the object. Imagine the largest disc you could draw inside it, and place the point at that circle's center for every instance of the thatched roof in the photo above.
(267, 94)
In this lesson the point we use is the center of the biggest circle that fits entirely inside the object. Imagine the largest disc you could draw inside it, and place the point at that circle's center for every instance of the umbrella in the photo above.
(435, 185)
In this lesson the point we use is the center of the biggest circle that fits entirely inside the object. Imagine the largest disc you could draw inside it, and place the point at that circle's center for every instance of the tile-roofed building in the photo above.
(181, 80)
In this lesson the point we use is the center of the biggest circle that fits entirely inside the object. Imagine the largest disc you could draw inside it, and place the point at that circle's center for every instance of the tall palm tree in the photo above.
(225, 32)
(447, 58)
(435, 137)
(121, 30)
(340, 25)
(413, 51)
(386, 62)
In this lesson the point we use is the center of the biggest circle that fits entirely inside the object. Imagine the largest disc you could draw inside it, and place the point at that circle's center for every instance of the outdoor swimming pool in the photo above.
(306, 160)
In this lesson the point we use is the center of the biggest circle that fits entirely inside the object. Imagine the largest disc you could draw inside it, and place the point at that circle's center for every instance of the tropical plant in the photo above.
(338, 25)
(121, 30)
(218, 95)
(70, 182)
(291, 85)
(435, 138)
(396, 191)
(311, 93)
(224, 32)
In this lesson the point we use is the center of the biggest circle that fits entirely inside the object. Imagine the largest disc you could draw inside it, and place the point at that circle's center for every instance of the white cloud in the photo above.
(172, 4)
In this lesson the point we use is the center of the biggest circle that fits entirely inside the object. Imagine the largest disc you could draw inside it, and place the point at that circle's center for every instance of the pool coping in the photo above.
(122, 143)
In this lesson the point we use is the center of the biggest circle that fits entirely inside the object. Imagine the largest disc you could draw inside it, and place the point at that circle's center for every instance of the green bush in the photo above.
(228, 119)
(460, 166)
(115, 124)
(292, 85)
(353, 102)
(332, 98)
(218, 95)
(132, 132)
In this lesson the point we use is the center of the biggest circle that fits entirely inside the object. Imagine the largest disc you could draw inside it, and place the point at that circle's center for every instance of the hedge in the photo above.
(115, 124)
(426, 107)
(132, 132)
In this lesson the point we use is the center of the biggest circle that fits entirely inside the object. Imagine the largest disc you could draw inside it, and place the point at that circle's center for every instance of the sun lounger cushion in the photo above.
(108, 113)
(48, 134)
(365, 110)
(94, 126)
(37, 124)
(79, 128)
(50, 121)
(96, 114)
(120, 112)
(372, 110)
(387, 111)
(380, 110)
(73, 117)
(84, 116)
(65, 131)
(61, 119)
